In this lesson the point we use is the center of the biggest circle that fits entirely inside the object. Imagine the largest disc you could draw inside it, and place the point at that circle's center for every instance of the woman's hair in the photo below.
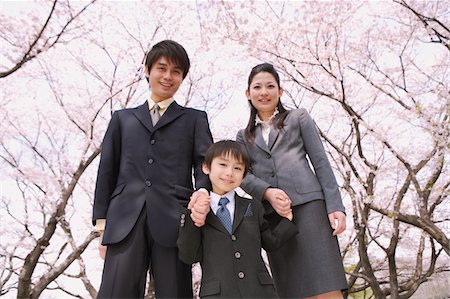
(278, 120)
(225, 148)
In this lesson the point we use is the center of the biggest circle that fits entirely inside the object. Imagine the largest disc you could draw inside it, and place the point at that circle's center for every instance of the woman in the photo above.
(280, 142)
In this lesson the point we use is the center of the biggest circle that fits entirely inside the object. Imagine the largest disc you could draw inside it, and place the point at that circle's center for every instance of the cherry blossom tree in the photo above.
(382, 106)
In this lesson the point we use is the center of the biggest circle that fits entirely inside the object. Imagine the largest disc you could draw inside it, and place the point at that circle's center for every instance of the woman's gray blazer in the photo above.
(283, 163)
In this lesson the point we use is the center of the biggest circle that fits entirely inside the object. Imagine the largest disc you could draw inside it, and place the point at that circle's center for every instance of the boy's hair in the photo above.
(227, 147)
(172, 51)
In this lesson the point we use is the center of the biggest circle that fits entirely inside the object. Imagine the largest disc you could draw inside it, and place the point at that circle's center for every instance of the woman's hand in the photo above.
(337, 222)
(279, 200)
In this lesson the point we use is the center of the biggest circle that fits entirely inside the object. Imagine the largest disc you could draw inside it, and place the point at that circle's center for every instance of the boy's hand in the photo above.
(337, 222)
(289, 215)
(200, 207)
(279, 200)
(101, 248)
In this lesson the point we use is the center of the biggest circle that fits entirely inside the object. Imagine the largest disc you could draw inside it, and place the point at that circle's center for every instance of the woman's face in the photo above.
(264, 94)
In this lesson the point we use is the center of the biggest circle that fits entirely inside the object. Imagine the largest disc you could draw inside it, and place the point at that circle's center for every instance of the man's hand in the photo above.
(199, 206)
(101, 248)
(337, 222)
(279, 200)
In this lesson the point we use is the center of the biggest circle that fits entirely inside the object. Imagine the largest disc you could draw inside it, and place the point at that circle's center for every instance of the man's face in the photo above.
(165, 78)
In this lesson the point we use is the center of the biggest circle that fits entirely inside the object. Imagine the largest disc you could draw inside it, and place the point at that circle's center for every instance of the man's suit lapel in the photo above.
(143, 114)
(172, 113)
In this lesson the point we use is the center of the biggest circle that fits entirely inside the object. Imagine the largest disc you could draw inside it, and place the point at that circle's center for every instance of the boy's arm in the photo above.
(202, 141)
(275, 234)
(189, 239)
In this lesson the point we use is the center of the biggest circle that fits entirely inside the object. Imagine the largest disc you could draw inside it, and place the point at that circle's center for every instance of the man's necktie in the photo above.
(223, 214)
(154, 113)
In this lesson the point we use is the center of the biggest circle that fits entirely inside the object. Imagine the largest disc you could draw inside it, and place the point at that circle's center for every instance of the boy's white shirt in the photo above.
(230, 206)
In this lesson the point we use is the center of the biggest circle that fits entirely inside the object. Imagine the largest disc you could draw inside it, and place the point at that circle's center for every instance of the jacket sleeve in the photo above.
(251, 183)
(108, 168)
(275, 233)
(189, 239)
(322, 168)
(203, 140)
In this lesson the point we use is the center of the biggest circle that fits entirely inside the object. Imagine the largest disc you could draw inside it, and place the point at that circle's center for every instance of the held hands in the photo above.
(101, 248)
(337, 222)
(199, 206)
(279, 201)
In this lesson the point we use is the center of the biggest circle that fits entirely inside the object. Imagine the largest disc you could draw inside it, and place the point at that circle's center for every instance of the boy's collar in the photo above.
(230, 195)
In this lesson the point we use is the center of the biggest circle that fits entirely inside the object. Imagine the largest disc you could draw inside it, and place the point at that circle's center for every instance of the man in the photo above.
(145, 170)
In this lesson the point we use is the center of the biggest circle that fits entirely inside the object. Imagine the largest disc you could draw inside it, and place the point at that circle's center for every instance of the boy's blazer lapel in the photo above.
(215, 222)
(239, 211)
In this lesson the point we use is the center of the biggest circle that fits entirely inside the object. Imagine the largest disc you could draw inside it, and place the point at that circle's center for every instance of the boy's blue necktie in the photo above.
(223, 214)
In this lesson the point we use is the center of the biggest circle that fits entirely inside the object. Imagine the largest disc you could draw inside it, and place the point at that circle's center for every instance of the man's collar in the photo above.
(162, 105)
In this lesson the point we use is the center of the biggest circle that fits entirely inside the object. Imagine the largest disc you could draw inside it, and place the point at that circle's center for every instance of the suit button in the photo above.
(272, 174)
(152, 141)
(241, 275)
(237, 255)
(183, 216)
(150, 161)
(233, 238)
(148, 183)
(268, 156)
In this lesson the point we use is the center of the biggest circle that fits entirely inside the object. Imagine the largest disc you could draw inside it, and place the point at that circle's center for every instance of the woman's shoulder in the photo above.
(298, 114)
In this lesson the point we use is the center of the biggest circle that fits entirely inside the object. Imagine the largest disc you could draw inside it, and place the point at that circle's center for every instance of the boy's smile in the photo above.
(226, 174)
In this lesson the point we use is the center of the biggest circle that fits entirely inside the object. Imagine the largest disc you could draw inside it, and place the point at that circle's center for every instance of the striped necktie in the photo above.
(223, 214)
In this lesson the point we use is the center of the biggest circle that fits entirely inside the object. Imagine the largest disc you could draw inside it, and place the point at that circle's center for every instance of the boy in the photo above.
(147, 159)
(230, 251)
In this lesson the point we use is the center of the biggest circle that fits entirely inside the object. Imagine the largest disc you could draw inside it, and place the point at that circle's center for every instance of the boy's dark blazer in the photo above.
(141, 164)
(232, 266)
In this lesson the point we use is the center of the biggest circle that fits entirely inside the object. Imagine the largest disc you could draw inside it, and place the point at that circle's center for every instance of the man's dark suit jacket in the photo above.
(232, 266)
(141, 164)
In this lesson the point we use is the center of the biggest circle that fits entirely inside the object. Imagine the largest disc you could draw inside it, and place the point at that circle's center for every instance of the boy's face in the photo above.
(165, 78)
(226, 174)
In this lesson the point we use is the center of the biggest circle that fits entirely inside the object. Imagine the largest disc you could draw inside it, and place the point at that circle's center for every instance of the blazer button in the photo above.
(272, 174)
(268, 156)
(152, 141)
(150, 161)
(241, 275)
(233, 238)
(148, 183)
(183, 216)
(237, 255)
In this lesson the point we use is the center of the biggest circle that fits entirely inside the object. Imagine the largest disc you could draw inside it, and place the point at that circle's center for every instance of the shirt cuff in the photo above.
(100, 224)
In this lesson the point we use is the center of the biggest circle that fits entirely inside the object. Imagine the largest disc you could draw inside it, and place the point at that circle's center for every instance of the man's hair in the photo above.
(172, 51)
(225, 148)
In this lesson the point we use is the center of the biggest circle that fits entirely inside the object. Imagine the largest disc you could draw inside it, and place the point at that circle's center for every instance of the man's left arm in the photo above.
(202, 141)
